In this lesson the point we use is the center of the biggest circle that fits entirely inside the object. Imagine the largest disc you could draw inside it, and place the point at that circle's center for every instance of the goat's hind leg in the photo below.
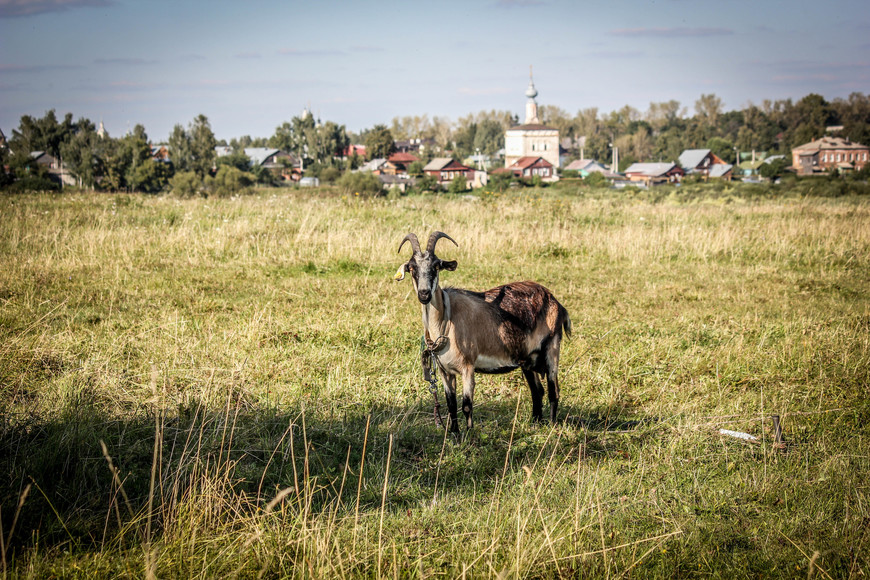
(552, 373)
(537, 390)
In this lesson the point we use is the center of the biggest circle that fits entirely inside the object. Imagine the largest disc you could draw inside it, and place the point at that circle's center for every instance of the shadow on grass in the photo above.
(81, 496)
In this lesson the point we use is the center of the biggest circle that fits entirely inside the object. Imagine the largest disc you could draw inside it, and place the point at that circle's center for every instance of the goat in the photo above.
(518, 325)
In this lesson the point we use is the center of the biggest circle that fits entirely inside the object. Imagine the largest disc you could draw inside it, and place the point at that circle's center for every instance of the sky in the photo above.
(251, 65)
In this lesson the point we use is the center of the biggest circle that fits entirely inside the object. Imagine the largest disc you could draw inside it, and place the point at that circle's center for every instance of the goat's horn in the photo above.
(433, 239)
(415, 244)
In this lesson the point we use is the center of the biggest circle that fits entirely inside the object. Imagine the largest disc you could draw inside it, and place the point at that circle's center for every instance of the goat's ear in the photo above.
(400, 273)
(448, 265)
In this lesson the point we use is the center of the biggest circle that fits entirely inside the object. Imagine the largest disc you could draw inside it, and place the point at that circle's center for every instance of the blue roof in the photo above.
(692, 158)
(720, 169)
(258, 155)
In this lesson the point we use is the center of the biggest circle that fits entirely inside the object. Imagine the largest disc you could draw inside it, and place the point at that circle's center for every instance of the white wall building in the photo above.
(532, 138)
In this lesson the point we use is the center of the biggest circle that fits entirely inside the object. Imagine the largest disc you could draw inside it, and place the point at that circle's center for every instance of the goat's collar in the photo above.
(441, 342)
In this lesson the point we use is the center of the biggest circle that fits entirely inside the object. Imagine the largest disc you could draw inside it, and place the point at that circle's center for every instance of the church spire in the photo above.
(531, 105)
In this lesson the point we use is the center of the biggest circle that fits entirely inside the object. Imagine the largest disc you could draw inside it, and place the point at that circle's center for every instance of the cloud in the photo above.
(617, 54)
(34, 68)
(135, 86)
(125, 61)
(21, 8)
(310, 53)
(248, 55)
(677, 32)
(805, 78)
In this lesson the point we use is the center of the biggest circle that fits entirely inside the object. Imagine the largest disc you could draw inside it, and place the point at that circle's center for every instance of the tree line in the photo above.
(660, 133)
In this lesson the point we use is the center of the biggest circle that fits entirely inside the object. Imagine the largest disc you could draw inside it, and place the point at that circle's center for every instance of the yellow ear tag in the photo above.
(400, 274)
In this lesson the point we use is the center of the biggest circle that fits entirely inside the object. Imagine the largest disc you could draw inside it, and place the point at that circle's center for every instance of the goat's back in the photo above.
(521, 310)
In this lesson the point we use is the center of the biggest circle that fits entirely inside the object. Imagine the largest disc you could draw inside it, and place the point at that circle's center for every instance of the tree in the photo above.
(773, 170)
(150, 176)
(708, 108)
(557, 117)
(415, 169)
(661, 115)
(202, 146)
(45, 134)
(329, 142)
(237, 159)
(463, 140)
(489, 137)
(81, 154)
(722, 148)
(311, 141)
(179, 149)
(379, 142)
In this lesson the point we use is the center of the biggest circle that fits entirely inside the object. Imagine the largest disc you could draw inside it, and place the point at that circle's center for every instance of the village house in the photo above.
(375, 166)
(57, 171)
(445, 169)
(401, 182)
(281, 164)
(351, 150)
(584, 167)
(829, 153)
(398, 163)
(414, 145)
(654, 173)
(705, 163)
(529, 167)
(160, 153)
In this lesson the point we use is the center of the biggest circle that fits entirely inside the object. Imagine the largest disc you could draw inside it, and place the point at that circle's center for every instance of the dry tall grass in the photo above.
(230, 387)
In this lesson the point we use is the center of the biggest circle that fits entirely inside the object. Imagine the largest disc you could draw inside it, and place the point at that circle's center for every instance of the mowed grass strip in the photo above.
(262, 342)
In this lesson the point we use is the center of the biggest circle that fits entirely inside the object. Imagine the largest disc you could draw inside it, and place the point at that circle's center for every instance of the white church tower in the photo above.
(531, 139)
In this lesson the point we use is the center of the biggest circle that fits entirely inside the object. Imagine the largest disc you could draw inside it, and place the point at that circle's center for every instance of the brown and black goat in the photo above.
(515, 326)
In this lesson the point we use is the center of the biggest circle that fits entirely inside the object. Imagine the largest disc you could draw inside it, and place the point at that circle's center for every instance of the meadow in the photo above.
(230, 387)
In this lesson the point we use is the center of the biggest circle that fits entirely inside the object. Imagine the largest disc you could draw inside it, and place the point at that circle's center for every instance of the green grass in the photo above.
(252, 371)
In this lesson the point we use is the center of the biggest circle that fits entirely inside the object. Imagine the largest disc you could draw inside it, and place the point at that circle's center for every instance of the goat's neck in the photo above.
(436, 314)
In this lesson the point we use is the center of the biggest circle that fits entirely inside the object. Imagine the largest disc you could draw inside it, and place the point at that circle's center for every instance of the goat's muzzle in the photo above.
(424, 296)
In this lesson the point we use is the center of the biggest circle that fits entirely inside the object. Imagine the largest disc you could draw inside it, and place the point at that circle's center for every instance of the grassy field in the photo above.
(230, 388)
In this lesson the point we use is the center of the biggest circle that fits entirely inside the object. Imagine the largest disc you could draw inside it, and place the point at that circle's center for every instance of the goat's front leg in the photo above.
(450, 395)
(468, 395)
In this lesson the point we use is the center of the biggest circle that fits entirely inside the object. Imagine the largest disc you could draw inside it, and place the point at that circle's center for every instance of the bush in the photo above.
(500, 181)
(458, 185)
(595, 179)
(186, 184)
(329, 175)
(360, 183)
(33, 183)
(229, 181)
(773, 170)
(427, 183)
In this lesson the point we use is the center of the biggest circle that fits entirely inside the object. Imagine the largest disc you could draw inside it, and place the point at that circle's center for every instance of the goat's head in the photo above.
(424, 266)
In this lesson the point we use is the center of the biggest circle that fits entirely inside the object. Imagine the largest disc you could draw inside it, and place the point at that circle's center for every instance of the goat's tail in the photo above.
(565, 320)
